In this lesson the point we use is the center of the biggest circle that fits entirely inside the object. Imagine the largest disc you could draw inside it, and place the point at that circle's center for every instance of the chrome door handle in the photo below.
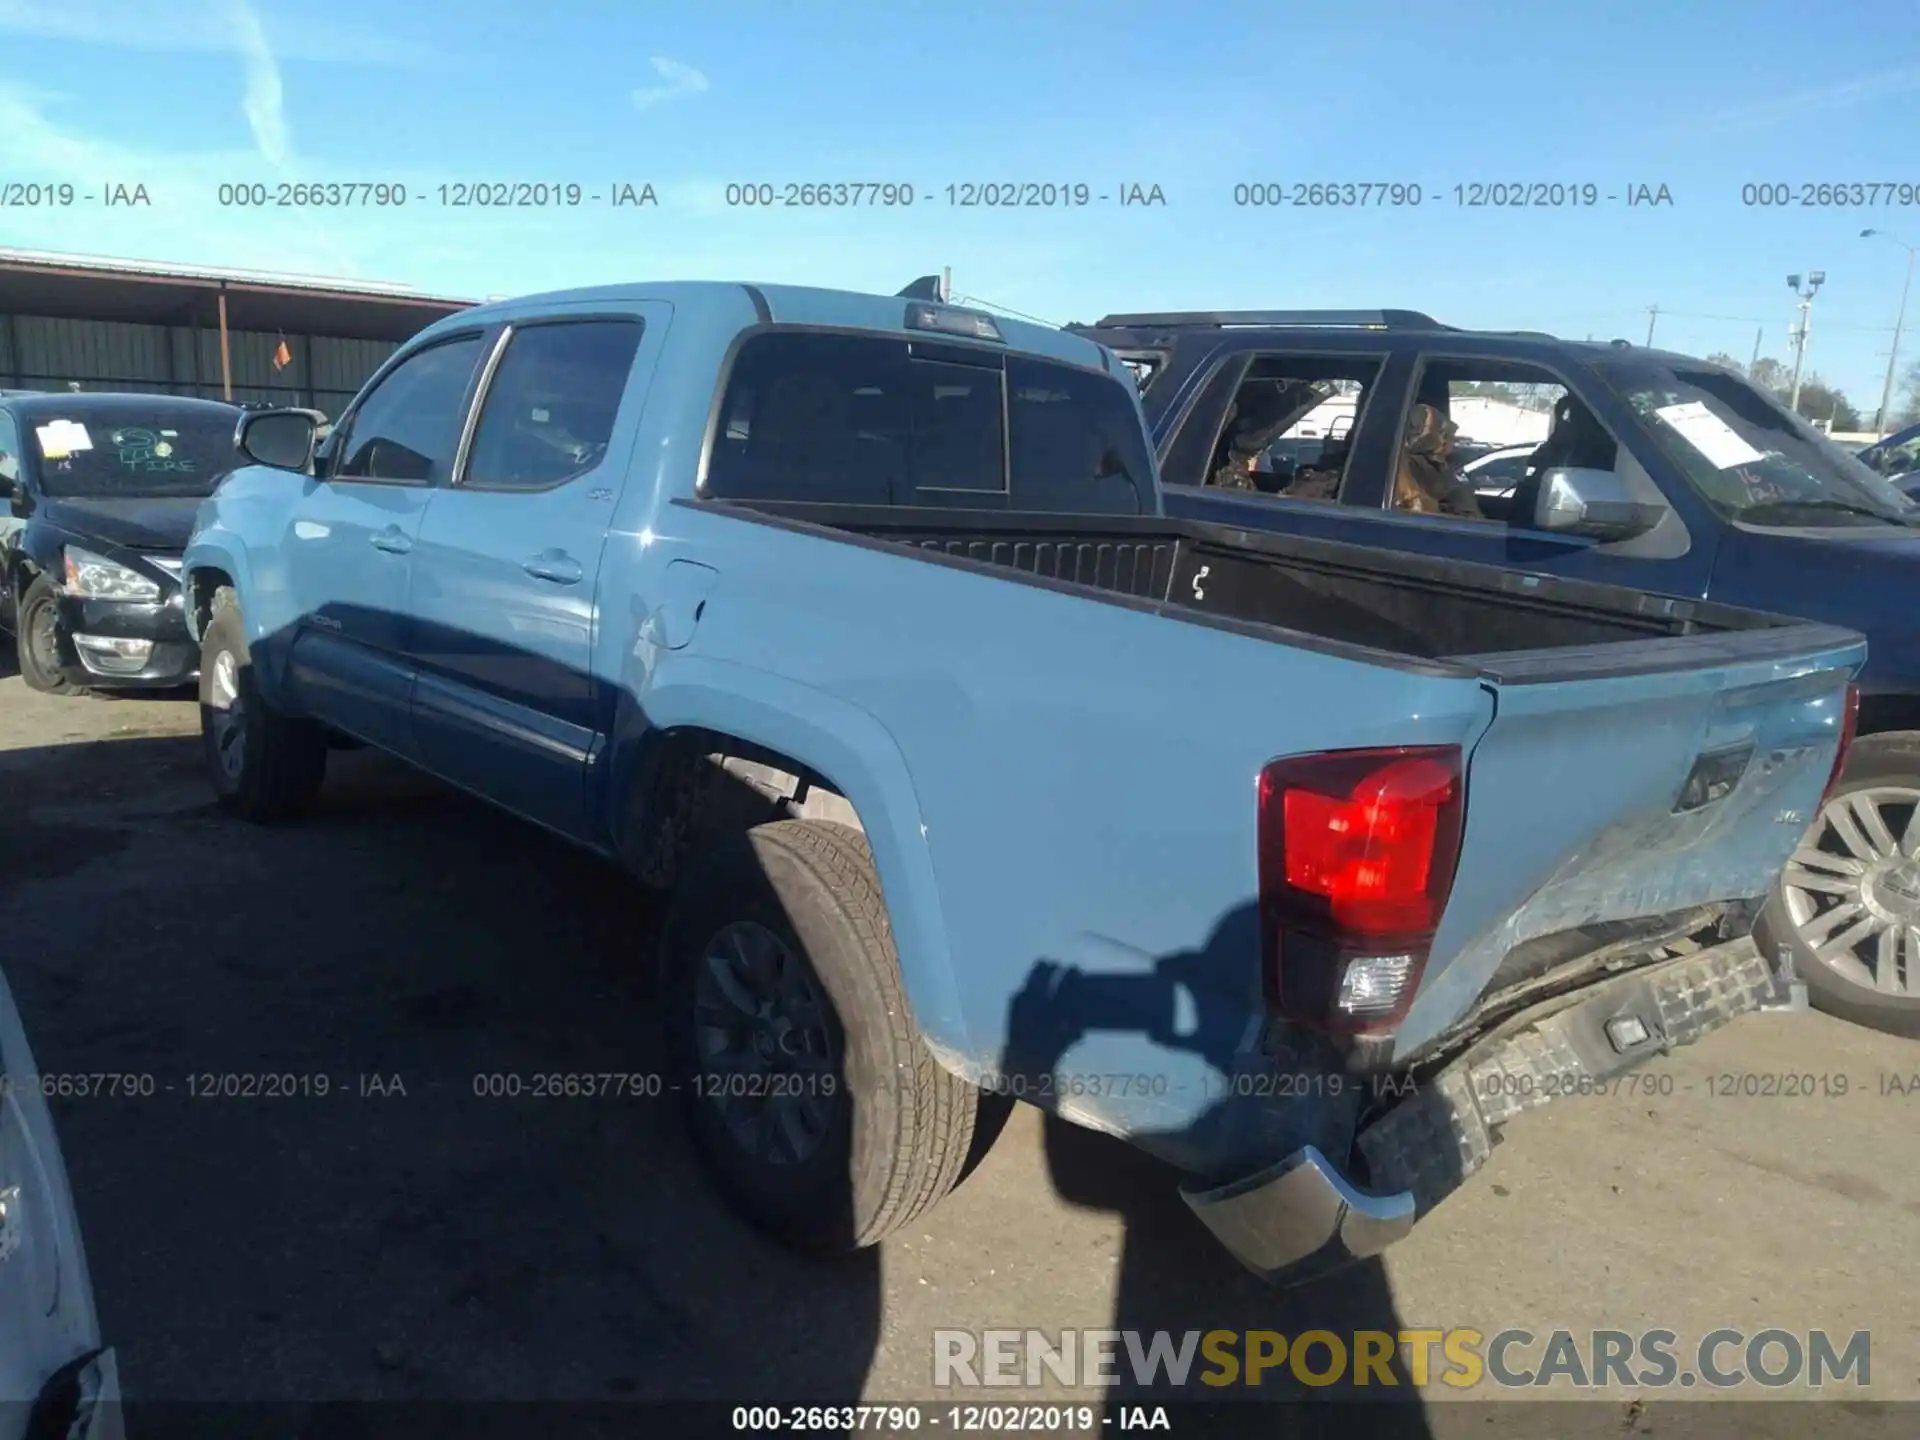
(554, 565)
(391, 540)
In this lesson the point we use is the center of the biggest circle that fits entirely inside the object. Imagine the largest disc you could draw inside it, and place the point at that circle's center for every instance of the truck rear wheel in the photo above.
(1847, 906)
(806, 1086)
(265, 766)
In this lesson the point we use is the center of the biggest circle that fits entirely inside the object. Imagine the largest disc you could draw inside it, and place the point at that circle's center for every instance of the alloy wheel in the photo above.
(1852, 889)
(766, 1053)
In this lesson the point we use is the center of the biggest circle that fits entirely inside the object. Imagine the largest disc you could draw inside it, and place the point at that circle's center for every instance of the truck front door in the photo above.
(502, 591)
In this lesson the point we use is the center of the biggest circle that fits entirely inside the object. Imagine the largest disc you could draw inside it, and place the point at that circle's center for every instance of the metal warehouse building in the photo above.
(81, 322)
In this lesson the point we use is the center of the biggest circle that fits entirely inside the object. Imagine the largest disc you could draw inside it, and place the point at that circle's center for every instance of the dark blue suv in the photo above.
(1648, 469)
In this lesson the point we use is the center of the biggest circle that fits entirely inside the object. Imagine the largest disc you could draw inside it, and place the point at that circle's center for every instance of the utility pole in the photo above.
(1882, 421)
(1754, 363)
(1653, 314)
(1803, 329)
(946, 284)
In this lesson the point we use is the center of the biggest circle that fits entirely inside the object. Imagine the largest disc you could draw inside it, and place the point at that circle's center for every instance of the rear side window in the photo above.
(551, 404)
(813, 417)
(1075, 443)
(870, 420)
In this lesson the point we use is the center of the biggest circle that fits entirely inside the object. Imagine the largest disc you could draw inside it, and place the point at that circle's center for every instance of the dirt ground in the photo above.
(402, 1236)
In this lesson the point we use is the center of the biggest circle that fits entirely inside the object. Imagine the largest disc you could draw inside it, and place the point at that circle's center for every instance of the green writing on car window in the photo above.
(145, 451)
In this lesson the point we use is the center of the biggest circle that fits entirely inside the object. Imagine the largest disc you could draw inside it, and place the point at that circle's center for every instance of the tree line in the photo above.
(1826, 403)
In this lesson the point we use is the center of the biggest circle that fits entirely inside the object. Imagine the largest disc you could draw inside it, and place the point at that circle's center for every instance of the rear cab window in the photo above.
(869, 419)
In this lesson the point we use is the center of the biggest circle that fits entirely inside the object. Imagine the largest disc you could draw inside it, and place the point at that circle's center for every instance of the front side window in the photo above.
(408, 427)
(1471, 404)
(1748, 456)
(550, 407)
(1499, 474)
(133, 450)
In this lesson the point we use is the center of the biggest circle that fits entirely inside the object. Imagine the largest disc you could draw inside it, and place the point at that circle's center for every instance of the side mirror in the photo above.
(1575, 501)
(283, 439)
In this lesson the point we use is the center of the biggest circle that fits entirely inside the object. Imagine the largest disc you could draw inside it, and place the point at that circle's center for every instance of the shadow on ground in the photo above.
(307, 1184)
(321, 1196)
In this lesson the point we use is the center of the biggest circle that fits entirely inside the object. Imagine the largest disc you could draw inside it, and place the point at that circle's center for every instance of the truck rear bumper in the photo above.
(1301, 1217)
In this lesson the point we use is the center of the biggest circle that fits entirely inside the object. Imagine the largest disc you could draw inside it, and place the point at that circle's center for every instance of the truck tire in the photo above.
(265, 766)
(806, 1087)
(1830, 889)
(38, 649)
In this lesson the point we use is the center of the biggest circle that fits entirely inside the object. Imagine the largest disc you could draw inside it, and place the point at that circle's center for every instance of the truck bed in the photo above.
(1510, 626)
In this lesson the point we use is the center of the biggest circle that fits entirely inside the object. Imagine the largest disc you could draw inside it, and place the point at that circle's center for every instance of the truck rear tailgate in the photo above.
(1619, 782)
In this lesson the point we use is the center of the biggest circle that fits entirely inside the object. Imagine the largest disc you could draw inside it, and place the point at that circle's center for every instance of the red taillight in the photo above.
(1849, 724)
(1357, 856)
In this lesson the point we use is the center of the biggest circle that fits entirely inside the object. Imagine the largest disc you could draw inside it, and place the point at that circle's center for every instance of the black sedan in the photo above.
(99, 495)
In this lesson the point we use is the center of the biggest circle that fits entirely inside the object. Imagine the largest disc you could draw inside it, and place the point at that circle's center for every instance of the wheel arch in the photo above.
(201, 584)
(849, 769)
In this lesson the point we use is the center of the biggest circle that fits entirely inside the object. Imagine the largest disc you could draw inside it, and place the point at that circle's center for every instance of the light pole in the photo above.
(1815, 279)
(1899, 319)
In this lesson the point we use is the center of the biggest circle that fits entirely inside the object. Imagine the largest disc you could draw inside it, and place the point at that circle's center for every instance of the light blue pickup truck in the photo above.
(856, 623)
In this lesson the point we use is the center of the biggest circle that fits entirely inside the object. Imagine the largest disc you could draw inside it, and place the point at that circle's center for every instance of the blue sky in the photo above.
(1196, 98)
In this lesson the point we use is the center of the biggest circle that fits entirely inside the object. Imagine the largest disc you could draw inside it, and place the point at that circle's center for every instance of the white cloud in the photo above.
(264, 101)
(184, 221)
(131, 24)
(680, 81)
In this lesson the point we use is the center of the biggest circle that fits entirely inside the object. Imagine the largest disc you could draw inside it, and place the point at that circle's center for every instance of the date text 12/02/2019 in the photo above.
(457, 195)
(64, 195)
(961, 195)
(1005, 1419)
(1472, 195)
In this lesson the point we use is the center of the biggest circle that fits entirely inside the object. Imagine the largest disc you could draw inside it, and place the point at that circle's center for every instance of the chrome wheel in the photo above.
(1852, 889)
(766, 1054)
(227, 715)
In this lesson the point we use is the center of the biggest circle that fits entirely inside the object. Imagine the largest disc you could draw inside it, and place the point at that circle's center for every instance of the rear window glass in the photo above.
(1076, 442)
(863, 419)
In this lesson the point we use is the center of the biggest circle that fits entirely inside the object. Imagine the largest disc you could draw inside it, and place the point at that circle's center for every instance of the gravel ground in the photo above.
(402, 1237)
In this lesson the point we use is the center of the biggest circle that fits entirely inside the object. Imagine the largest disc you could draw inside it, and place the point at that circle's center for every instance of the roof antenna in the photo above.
(927, 287)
